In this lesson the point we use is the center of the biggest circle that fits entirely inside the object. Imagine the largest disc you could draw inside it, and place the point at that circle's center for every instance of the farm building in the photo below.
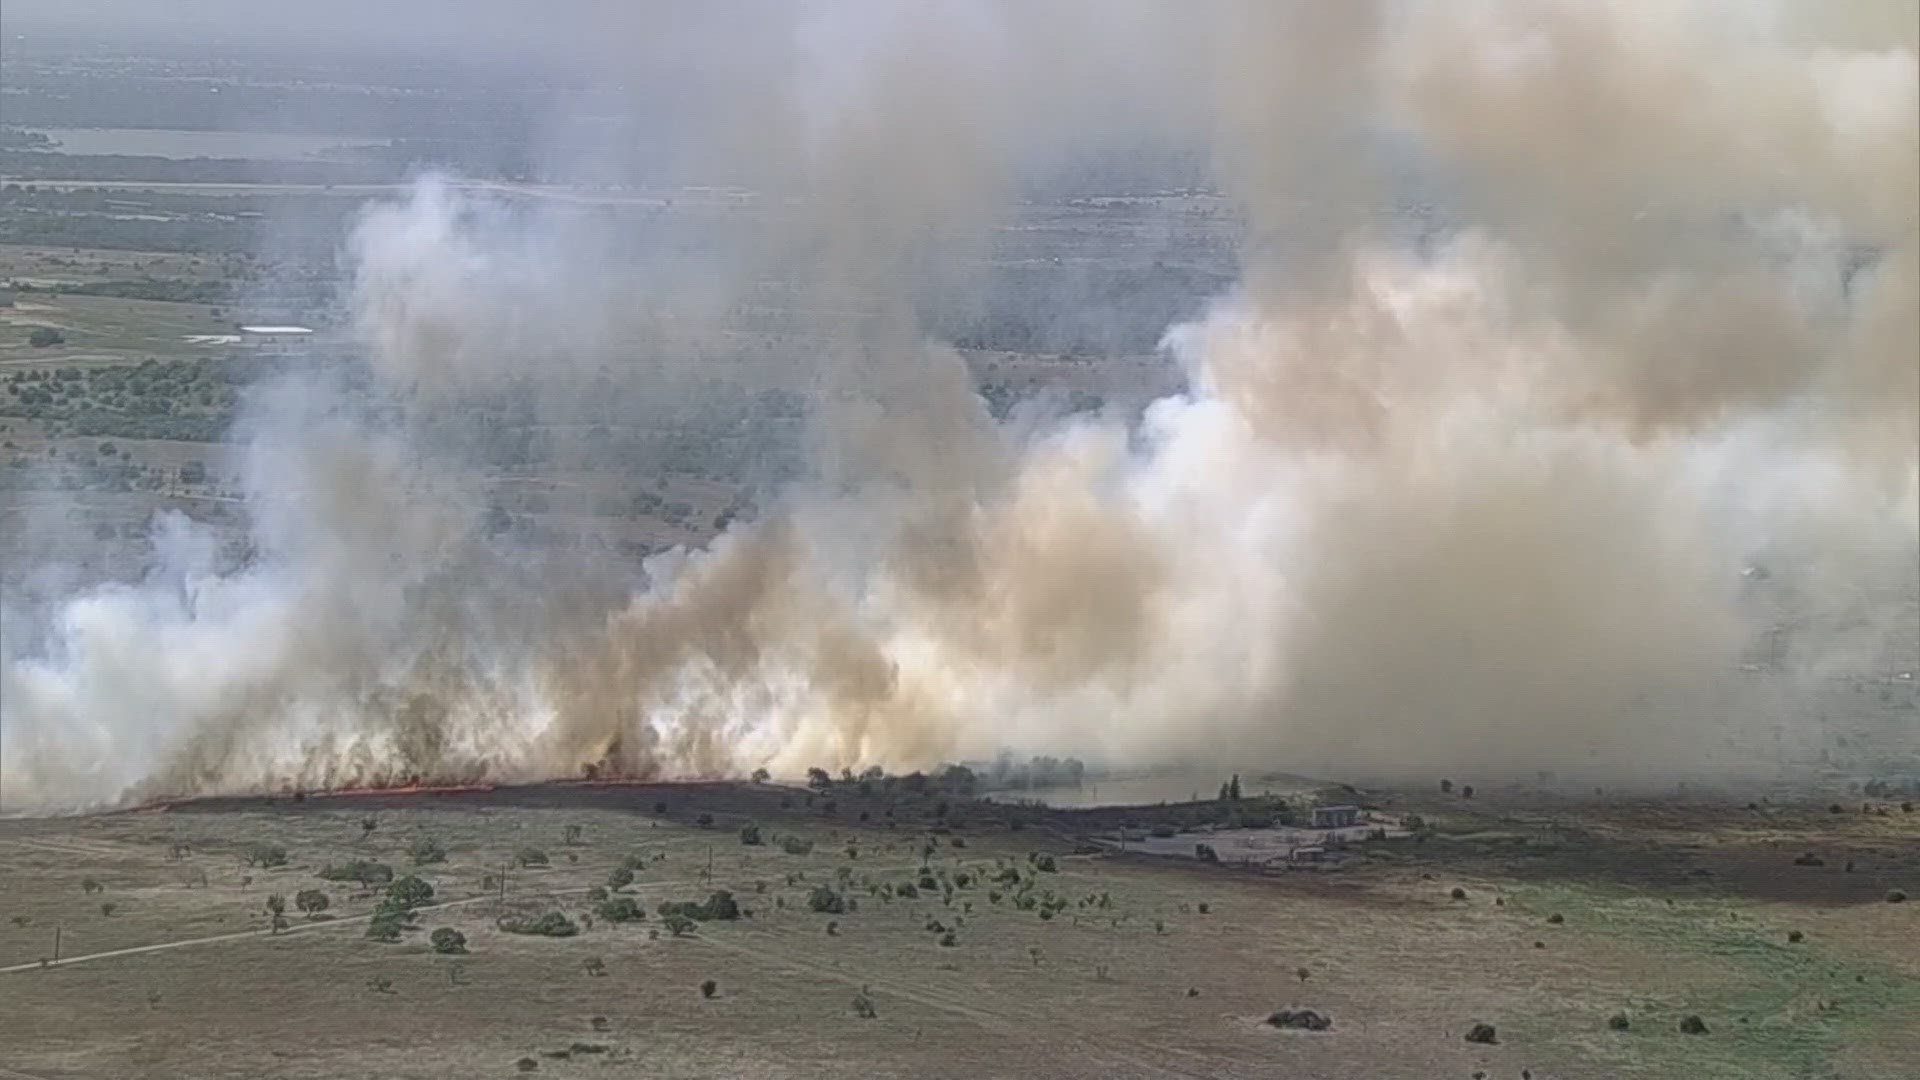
(1335, 817)
(274, 336)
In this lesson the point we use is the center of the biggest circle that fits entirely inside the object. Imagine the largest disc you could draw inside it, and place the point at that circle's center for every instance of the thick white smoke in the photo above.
(1483, 501)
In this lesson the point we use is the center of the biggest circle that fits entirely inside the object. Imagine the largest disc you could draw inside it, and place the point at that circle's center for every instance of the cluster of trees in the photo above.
(957, 781)
(32, 165)
(170, 290)
(176, 399)
(1035, 772)
(13, 138)
(396, 909)
(364, 872)
(122, 233)
(551, 924)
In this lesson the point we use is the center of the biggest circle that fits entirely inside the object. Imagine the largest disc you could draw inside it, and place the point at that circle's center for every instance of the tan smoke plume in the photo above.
(1482, 498)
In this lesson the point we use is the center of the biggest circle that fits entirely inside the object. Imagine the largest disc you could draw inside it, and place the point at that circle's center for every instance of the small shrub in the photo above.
(1794, 937)
(359, 870)
(1205, 853)
(1482, 1033)
(311, 901)
(1303, 973)
(948, 941)
(709, 988)
(380, 984)
(409, 892)
(1809, 859)
(1693, 1025)
(619, 877)
(266, 856)
(1618, 1022)
(761, 776)
(794, 845)
(833, 928)
(1895, 896)
(425, 850)
(552, 924)
(570, 835)
(385, 926)
(1556, 919)
(704, 820)
(719, 906)
(1203, 907)
(1300, 1020)
(448, 941)
(109, 908)
(750, 835)
(1044, 863)
(679, 925)
(824, 900)
(526, 1064)
(594, 966)
(621, 909)
(531, 857)
(1458, 893)
(863, 1007)
(90, 886)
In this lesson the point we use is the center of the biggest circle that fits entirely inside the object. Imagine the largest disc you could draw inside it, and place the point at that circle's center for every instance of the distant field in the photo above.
(101, 328)
(159, 142)
(51, 265)
(1567, 915)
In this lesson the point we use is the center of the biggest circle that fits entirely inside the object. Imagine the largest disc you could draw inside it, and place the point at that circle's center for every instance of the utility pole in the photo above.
(709, 873)
(56, 942)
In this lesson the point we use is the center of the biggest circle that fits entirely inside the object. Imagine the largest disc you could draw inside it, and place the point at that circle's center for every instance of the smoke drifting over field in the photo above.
(1485, 498)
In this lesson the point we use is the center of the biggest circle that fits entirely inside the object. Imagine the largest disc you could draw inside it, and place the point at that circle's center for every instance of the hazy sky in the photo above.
(516, 25)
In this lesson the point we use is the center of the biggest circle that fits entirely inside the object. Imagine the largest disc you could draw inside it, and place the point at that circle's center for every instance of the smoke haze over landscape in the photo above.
(1474, 485)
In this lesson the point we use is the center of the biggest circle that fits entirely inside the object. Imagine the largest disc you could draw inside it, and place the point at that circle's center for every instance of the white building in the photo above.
(274, 336)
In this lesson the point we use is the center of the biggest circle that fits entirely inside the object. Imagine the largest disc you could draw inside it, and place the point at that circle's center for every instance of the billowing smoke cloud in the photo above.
(1480, 495)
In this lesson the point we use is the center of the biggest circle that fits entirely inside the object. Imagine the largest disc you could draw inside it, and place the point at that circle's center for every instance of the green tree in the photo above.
(409, 892)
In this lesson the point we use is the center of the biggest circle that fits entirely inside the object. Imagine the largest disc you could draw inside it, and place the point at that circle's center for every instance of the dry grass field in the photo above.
(1569, 914)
